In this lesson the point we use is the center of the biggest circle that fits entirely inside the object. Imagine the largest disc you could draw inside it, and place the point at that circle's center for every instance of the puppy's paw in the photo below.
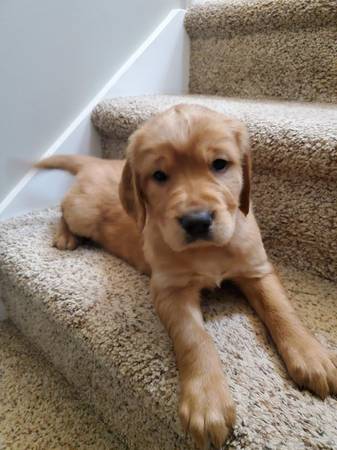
(65, 240)
(311, 366)
(207, 410)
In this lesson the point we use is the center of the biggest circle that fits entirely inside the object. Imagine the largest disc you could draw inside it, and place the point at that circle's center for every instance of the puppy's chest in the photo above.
(210, 273)
(212, 270)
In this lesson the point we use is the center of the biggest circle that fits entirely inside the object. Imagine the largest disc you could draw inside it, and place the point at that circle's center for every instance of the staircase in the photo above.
(272, 64)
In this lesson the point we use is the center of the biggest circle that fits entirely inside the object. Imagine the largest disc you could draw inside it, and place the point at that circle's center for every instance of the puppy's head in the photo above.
(188, 170)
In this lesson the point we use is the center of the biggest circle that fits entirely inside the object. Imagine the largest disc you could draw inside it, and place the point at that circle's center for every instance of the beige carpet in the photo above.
(38, 408)
(264, 48)
(112, 347)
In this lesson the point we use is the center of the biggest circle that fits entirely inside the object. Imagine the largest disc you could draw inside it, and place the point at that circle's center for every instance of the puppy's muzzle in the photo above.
(197, 224)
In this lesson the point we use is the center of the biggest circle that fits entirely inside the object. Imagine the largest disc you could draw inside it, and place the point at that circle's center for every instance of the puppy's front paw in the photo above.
(65, 240)
(206, 409)
(311, 366)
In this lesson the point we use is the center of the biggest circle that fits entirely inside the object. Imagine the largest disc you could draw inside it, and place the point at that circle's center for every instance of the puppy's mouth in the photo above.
(190, 239)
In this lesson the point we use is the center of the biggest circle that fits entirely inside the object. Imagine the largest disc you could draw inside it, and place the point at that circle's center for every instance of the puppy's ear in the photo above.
(131, 196)
(242, 138)
(247, 176)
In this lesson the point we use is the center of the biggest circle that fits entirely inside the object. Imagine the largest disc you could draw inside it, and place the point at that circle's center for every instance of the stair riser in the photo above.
(58, 343)
(298, 219)
(300, 234)
(284, 64)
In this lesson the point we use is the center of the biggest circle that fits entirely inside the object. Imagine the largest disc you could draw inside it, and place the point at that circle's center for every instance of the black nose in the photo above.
(197, 223)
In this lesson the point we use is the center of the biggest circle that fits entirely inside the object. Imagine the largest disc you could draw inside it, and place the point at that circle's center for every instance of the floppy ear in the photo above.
(243, 143)
(130, 195)
(247, 175)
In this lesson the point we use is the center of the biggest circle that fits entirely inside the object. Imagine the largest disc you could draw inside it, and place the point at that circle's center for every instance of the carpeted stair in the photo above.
(39, 410)
(92, 317)
(295, 168)
(91, 314)
(264, 48)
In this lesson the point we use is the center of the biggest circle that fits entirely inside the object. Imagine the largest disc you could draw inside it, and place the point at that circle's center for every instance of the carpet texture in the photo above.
(120, 359)
(295, 168)
(38, 408)
(91, 314)
(264, 48)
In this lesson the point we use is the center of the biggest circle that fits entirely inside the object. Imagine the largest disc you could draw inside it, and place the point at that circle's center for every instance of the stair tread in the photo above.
(298, 137)
(253, 16)
(105, 305)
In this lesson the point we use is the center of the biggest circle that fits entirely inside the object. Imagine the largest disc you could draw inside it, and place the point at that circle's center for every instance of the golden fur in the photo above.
(140, 224)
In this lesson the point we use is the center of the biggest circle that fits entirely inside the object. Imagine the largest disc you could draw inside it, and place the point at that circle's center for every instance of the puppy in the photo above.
(183, 214)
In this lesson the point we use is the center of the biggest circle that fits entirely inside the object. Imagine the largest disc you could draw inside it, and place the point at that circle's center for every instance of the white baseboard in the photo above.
(159, 66)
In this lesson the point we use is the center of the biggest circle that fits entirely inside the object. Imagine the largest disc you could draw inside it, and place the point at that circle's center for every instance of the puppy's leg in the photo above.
(308, 362)
(206, 407)
(64, 239)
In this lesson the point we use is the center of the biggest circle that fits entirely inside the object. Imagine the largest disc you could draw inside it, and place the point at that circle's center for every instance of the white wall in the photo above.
(55, 56)
(140, 74)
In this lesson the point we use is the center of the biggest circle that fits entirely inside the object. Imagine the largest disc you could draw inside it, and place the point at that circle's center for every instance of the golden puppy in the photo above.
(184, 215)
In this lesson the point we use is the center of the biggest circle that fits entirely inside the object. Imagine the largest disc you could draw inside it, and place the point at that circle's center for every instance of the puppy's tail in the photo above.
(70, 163)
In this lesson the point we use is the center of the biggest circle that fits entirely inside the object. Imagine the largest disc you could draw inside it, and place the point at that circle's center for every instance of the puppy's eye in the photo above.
(219, 164)
(160, 176)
